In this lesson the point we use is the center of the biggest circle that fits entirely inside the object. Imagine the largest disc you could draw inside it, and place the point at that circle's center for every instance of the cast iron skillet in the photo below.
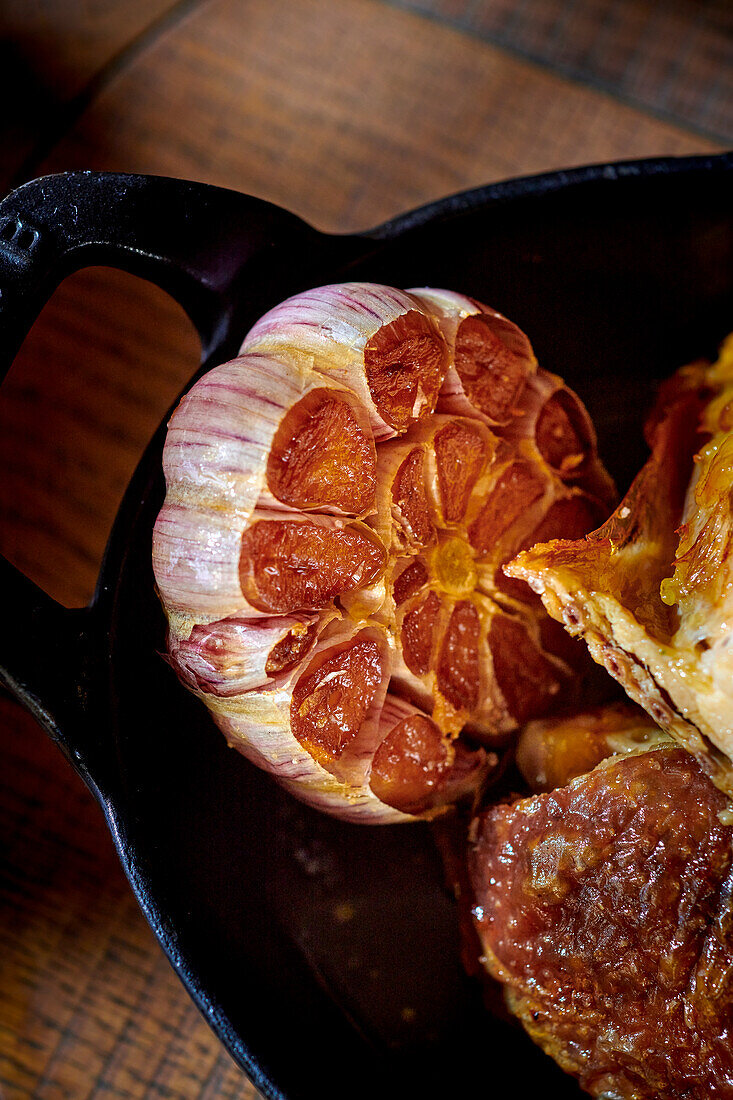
(325, 955)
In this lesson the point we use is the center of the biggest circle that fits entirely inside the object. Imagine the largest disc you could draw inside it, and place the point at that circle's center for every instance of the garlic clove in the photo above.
(511, 505)
(196, 561)
(299, 563)
(561, 435)
(220, 435)
(215, 464)
(491, 358)
(236, 654)
(318, 728)
(529, 679)
(462, 451)
(373, 340)
(418, 769)
(494, 374)
(322, 457)
(404, 520)
(408, 577)
(551, 752)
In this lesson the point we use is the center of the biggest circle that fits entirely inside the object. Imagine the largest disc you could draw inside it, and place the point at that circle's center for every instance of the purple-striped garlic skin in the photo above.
(356, 334)
(341, 500)
(235, 655)
(214, 461)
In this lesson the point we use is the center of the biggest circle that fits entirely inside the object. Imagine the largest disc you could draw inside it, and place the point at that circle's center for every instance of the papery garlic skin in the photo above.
(258, 724)
(232, 656)
(651, 591)
(327, 332)
(330, 550)
(214, 461)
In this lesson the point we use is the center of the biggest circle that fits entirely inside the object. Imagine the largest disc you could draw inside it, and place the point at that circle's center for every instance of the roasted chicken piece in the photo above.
(651, 591)
(605, 908)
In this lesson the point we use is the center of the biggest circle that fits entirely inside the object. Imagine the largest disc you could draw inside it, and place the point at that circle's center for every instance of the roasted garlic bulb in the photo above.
(604, 909)
(341, 499)
(651, 591)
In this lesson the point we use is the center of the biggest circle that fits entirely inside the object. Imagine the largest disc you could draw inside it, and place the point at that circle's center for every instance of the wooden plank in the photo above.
(90, 1005)
(348, 113)
(674, 59)
(50, 53)
(89, 388)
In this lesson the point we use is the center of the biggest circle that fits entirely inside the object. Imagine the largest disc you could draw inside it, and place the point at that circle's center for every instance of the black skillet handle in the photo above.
(194, 241)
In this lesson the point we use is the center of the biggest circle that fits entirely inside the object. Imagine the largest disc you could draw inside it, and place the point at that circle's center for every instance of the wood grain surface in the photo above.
(52, 55)
(347, 113)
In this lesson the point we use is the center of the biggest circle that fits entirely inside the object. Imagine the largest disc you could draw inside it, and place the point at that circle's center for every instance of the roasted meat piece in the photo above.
(651, 591)
(606, 910)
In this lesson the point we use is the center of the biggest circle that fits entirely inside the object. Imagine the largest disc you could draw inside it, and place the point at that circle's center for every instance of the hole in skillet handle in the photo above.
(192, 240)
(106, 358)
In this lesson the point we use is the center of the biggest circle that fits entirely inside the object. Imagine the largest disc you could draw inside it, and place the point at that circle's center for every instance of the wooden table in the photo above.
(345, 112)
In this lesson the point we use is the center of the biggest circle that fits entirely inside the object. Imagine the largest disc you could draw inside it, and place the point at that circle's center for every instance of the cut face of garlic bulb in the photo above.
(603, 909)
(652, 590)
(341, 500)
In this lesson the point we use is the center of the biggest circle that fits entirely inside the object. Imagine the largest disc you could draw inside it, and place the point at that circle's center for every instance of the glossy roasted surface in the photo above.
(605, 908)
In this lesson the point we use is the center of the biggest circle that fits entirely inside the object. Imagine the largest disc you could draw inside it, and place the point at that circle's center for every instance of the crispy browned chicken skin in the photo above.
(605, 908)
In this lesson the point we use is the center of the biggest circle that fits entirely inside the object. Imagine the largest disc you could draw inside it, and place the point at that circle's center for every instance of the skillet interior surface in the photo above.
(327, 955)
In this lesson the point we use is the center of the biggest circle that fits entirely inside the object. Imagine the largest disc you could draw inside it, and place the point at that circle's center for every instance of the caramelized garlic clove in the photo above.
(318, 729)
(299, 563)
(418, 769)
(373, 340)
(218, 465)
(551, 752)
(491, 358)
(322, 457)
